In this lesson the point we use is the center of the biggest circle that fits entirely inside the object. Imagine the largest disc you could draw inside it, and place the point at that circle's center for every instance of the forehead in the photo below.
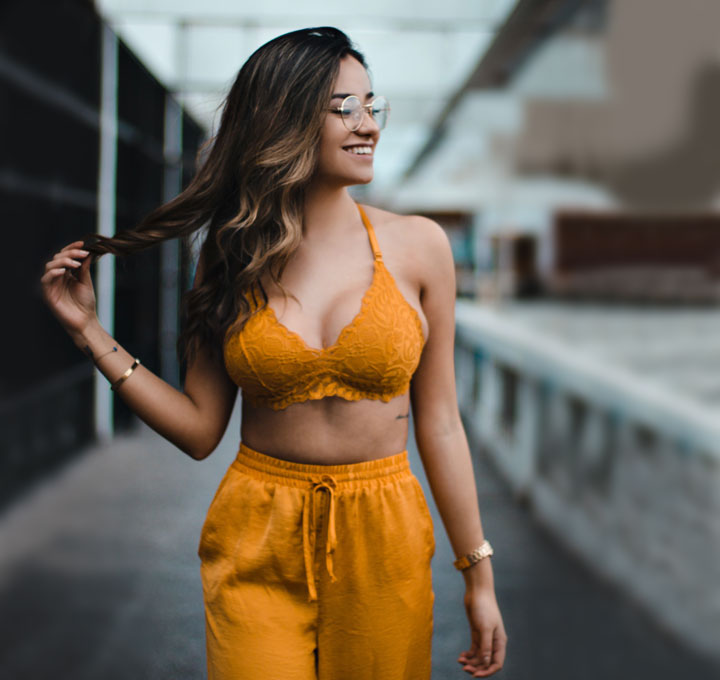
(352, 78)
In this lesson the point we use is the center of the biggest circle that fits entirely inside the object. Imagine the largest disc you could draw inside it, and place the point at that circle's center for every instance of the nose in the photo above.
(368, 124)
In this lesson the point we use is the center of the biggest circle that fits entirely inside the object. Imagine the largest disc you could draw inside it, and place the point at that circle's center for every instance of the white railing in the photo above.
(625, 473)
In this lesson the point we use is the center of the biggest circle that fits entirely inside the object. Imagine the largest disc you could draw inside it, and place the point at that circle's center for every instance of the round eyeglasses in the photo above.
(352, 110)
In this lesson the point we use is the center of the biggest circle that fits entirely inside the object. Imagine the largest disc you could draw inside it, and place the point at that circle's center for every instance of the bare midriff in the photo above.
(328, 431)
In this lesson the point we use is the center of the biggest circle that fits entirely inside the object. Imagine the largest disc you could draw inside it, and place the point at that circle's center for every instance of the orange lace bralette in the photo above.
(374, 356)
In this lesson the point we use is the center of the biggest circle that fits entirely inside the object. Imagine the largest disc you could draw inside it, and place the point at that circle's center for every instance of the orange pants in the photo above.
(318, 571)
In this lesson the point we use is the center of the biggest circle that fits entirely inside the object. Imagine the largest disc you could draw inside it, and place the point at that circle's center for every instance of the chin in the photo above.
(362, 177)
(353, 180)
(364, 180)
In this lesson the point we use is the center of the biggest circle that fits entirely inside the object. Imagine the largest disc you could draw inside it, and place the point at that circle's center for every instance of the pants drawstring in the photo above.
(327, 483)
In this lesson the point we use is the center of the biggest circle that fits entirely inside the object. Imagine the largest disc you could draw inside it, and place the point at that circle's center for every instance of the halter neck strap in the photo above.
(371, 234)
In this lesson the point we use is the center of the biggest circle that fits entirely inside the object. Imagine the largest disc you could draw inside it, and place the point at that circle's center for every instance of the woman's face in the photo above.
(337, 163)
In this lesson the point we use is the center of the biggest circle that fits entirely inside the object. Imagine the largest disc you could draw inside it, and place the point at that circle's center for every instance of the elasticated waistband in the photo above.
(291, 473)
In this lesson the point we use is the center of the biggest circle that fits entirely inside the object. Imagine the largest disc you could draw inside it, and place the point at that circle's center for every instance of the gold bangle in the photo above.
(484, 550)
(125, 375)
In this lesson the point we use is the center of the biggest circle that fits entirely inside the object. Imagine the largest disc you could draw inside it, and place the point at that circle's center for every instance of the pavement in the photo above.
(99, 579)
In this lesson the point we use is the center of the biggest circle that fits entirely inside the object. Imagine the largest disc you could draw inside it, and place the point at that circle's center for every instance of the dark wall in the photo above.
(633, 257)
(49, 147)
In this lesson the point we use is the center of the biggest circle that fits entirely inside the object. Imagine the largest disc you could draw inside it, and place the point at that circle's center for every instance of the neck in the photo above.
(327, 209)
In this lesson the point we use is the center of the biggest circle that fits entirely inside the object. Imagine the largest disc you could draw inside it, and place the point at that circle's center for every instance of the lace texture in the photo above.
(374, 356)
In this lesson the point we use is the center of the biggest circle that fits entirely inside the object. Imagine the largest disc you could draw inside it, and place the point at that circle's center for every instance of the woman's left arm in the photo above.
(444, 449)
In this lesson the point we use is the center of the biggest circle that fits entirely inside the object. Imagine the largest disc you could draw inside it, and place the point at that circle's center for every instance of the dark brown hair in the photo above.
(248, 192)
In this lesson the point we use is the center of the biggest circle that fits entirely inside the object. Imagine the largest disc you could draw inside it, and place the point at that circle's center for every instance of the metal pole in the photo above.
(107, 171)
(170, 250)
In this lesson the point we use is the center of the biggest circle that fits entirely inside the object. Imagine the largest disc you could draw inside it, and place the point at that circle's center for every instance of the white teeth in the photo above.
(360, 149)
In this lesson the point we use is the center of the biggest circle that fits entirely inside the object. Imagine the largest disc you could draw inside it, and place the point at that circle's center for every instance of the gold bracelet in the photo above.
(110, 351)
(484, 550)
(125, 375)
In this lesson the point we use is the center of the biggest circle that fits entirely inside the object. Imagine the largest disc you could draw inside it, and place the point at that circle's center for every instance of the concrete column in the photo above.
(490, 388)
(478, 396)
(527, 433)
(593, 445)
(558, 453)
(464, 375)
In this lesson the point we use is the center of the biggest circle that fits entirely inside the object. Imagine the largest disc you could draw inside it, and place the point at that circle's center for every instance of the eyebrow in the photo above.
(342, 95)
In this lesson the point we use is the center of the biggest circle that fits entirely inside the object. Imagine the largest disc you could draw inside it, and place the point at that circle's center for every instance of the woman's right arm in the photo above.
(194, 419)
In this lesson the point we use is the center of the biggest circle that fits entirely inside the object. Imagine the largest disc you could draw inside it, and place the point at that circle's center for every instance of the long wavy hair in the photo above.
(249, 189)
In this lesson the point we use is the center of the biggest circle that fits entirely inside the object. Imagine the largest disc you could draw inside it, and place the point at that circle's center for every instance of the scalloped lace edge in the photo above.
(320, 392)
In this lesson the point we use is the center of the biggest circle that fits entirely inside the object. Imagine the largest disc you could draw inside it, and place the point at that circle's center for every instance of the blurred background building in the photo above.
(568, 147)
(582, 150)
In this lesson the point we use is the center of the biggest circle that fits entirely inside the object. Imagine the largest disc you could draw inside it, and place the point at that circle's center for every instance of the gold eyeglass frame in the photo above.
(368, 109)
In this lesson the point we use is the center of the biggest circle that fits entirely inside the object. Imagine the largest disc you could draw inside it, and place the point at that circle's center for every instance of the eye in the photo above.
(380, 105)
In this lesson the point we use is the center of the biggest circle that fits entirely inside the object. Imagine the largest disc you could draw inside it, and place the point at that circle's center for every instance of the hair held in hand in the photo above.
(247, 196)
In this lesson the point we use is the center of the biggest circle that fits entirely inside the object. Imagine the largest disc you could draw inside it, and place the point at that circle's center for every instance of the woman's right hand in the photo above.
(71, 297)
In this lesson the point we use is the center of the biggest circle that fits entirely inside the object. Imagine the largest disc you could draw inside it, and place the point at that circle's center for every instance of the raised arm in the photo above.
(194, 419)
(444, 449)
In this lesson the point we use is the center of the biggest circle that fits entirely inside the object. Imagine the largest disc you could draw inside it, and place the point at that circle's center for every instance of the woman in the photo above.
(316, 549)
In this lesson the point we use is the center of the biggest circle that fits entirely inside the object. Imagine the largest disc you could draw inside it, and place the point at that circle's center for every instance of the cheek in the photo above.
(331, 147)
(327, 155)
(333, 136)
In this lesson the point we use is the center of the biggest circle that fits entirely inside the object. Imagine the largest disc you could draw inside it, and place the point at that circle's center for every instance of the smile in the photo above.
(359, 150)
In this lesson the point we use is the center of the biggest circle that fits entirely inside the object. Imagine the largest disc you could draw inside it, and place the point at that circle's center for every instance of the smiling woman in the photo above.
(316, 550)
(350, 136)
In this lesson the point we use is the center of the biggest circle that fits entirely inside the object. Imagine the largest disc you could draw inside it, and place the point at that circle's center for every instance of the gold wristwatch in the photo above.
(484, 550)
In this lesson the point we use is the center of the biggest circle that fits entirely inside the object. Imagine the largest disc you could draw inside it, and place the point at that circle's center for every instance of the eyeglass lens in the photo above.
(353, 110)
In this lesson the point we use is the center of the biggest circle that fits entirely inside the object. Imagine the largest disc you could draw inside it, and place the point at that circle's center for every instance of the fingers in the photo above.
(478, 670)
(71, 252)
(83, 272)
(51, 274)
(487, 657)
(483, 672)
(486, 645)
(62, 262)
(481, 649)
(68, 259)
(500, 649)
(470, 659)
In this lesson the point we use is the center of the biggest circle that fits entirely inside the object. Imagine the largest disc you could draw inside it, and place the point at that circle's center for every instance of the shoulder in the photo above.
(420, 239)
(421, 234)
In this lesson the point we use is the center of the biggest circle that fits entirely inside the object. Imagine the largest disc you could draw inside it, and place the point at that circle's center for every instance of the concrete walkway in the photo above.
(99, 580)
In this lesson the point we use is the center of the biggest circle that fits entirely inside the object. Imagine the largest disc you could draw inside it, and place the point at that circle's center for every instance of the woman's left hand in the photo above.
(487, 634)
